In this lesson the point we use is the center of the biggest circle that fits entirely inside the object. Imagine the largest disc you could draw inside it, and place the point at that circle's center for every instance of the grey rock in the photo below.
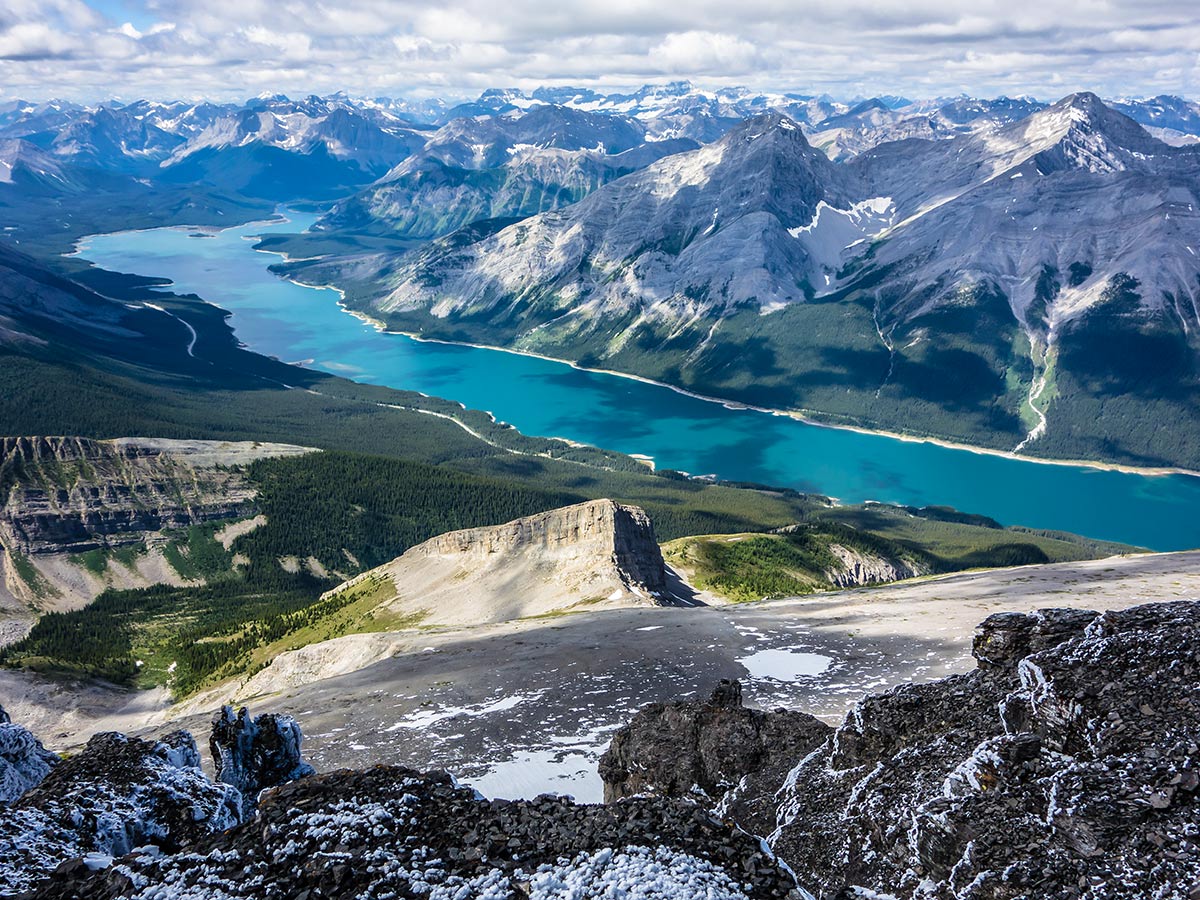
(24, 762)
(1065, 766)
(117, 794)
(253, 755)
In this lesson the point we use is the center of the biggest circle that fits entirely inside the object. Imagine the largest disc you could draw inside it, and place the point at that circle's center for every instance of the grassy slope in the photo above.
(742, 567)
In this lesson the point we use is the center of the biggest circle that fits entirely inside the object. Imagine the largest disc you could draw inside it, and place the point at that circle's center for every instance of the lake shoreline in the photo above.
(805, 416)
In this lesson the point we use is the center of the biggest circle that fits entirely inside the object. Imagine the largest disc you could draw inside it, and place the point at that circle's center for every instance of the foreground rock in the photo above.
(715, 752)
(119, 793)
(24, 762)
(392, 832)
(1065, 766)
(123, 793)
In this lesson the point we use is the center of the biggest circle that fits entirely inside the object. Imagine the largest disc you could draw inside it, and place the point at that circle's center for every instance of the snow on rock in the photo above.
(117, 794)
(390, 832)
(252, 755)
(23, 760)
(1065, 766)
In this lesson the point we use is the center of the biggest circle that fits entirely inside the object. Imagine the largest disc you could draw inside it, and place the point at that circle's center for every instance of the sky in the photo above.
(89, 50)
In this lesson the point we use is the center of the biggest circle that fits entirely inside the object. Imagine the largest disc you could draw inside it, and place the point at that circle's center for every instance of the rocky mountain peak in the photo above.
(1081, 132)
(598, 553)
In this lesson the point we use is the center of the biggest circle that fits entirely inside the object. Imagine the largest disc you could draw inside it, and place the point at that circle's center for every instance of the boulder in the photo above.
(716, 751)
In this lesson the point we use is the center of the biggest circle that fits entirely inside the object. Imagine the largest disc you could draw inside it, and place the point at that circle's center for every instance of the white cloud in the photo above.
(704, 52)
(232, 48)
(33, 41)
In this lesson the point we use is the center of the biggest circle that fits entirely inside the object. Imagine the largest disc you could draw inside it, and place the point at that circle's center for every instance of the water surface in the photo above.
(542, 397)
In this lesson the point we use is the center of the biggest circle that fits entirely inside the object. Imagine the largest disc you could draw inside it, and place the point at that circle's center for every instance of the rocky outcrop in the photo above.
(624, 531)
(715, 751)
(393, 832)
(597, 553)
(24, 762)
(255, 754)
(1065, 766)
(123, 793)
(117, 794)
(858, 568)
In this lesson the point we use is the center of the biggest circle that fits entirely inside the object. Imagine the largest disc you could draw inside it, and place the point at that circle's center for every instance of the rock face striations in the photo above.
(64, 496)
(70, 495)
(597, 553)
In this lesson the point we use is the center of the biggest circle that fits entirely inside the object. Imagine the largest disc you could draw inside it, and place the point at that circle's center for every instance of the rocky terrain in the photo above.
(597, 553)
(1063, 766)
(62, 497)
(131, 818)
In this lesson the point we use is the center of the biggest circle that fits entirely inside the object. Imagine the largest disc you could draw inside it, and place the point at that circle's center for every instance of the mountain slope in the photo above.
(499, 167)
(688, 236)
(1033, 286)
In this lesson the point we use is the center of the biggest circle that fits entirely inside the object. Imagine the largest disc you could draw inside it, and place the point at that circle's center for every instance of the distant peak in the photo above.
(1084, 100)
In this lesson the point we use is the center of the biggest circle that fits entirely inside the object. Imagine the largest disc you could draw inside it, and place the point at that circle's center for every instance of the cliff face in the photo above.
(70, 495)
(859, 568)
(597, 553)
(624, 532)
(63, 496)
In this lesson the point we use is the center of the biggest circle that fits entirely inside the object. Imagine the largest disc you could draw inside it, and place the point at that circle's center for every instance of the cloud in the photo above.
(227, 49)
(695, 52)
(30, 41)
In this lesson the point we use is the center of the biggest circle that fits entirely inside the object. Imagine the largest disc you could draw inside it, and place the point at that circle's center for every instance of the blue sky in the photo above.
(230, 49)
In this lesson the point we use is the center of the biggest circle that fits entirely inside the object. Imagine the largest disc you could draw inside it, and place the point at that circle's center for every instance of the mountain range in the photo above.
(1031, 286)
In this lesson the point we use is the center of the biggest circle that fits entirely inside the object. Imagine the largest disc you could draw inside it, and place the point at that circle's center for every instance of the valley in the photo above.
(734, 443)
(525, 707)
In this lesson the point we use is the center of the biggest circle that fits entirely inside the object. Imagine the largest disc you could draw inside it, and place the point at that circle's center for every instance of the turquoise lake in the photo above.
(541, 397)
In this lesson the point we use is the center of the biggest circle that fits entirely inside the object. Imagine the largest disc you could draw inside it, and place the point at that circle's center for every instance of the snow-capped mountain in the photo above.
(27, 166)
(510, 166)
(425, 197)
(995, 271)
(691, 235)
(304, 127)
(1077, 184)
(874, 122)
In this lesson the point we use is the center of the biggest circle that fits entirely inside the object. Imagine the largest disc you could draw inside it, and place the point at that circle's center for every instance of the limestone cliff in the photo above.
(860, 568)
(597, 553)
